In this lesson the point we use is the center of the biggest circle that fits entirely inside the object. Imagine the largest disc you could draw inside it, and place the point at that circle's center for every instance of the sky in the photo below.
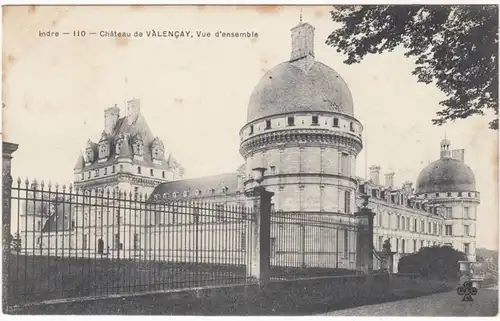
(194, 92)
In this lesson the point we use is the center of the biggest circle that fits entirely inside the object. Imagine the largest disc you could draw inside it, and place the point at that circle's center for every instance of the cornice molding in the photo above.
(300, 137)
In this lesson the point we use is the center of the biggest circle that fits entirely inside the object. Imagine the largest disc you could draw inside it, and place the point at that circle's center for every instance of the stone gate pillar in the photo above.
(7, 150)
(258, 261)
(364, 246)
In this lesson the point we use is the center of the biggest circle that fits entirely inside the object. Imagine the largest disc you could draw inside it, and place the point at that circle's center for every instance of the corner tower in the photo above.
(450, 184)
(301, 128)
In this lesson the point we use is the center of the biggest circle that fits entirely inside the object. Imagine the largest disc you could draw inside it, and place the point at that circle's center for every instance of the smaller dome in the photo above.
(446, 175)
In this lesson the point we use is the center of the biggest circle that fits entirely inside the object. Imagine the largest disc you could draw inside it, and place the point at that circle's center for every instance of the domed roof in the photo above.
(446, 175)
(287, 88)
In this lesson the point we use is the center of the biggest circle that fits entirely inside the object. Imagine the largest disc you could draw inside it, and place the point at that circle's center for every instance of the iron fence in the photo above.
(74, 243)
(305, 244)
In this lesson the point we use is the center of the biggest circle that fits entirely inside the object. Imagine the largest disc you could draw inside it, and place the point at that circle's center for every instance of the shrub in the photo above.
(435, 261)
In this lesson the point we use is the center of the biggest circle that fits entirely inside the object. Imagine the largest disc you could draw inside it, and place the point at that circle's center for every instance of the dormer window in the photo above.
(335, 122)
(118, 147)
(291, 121)
(315, 120)
(89, 155)
(268, 124)
(211, 191)
(185, 193)
(224, 189)
(449, 194)
(198, 192)
(138, 148)
(175, 194)
(437, 194)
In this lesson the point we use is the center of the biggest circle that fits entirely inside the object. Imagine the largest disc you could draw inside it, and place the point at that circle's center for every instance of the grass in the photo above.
(40, 278)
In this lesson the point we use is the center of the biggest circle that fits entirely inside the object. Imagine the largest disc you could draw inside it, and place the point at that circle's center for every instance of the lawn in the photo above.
(40, 278)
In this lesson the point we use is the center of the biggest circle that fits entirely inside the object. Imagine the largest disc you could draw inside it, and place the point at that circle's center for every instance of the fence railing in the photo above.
(309, 244)
(68, 243)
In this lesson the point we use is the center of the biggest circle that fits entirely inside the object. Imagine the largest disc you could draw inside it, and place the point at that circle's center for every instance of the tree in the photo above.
(455, 48)
(435, 261)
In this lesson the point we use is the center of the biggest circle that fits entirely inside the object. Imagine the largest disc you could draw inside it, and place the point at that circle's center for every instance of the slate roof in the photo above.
(203, 184)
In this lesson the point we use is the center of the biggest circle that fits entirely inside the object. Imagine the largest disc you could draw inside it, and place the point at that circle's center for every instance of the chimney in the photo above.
(374, 174)
(389, 179)
(133, 110)
(302, 55)
(458, 154)
(111, 116)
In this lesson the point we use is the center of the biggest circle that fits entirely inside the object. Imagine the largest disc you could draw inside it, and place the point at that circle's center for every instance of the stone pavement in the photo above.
(442, 304)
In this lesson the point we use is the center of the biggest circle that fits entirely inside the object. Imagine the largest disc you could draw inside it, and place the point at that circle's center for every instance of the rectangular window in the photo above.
(105, 171)
(397, 245)
(113, 169)
(351, 127)
(422, 244)
(291, 121)
(434, 228)
(151, 172)
(136, 241)
(117, 241)
(414, 246)
(466, 230)
(251, 130)
(163, 174)
(272, 169)
(466, 249)
(448, 230)
(374, 193)
(403, 223)
(398, 222)
(449, 194)
(429, 228)
(243, 241)
(121, 168)
(138, 169)
(415, 225)
(344, 165)
(315, 120)
(346, 243)
(466, 213)
(335, 122)
(85, 242)
(273, 247)
(96, 173)
(381, 242)
(268, 124)
(136, 191)
(403, 245)
(219, 212)
(347, 202)
(393, 198)
(407, 223)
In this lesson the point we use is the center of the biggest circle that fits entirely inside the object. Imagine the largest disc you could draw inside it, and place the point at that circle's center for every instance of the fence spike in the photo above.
(42, 184)
(19, 180)
(64, 187)
(27, 182)
(57, 186)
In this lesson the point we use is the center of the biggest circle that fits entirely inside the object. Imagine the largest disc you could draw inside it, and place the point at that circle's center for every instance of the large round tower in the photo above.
(301, 128)
(449, 183)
